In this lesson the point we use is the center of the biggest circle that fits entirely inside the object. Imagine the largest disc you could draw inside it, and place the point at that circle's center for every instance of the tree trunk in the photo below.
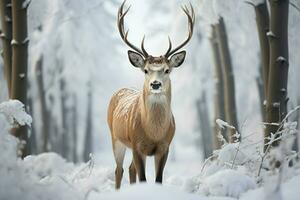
(279, 64)
(260, 87)
(262, 22)
(207, 141)
(64, 132)
(219, 89)
(32, 139)
(74, 125)
(19, 63)
(6, 35)
(229, 87)
(88, 146)
(44, 109)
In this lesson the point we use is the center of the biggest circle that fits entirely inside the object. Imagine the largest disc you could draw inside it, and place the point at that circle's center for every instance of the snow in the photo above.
(7, 18)
(49, 176)
(281, 59)
(45, 164)
(231, 172)
(230, 183)
(26, 3)
(14, 42)
(271, 34)
(229, 153)
(276, 104)
(222, 124)
(22, 75)
(149, 192)
(288, 191)
(26, 40)
(14, 111)
(257, 2)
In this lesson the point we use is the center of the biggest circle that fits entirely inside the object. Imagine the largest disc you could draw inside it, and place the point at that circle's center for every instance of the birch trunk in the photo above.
(219, 112)
(6, 35)
(229, 87)
(19, 63)
(279, 64)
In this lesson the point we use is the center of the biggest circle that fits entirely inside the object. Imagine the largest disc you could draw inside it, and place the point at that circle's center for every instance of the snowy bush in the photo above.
(239, 167)
(14, 112)
(227, 182)
(44, 176)
(11, 112)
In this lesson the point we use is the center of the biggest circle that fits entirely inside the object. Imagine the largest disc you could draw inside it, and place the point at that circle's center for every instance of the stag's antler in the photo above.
(191, 21)
(124, 34)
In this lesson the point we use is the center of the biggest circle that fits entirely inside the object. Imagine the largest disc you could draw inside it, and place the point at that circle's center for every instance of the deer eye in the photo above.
(146, 71)
(167, 71)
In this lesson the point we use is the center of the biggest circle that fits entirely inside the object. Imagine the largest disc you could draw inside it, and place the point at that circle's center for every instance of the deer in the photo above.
(142, 120)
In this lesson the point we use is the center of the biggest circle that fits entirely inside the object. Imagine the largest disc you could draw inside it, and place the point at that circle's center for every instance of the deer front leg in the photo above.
(132, 173)
(139, 163)
(160, 161)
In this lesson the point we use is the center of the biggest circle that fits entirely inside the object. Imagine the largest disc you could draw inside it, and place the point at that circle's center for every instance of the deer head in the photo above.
(156, 69)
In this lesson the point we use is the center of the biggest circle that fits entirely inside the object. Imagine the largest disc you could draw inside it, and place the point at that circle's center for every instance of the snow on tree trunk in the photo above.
(6, 35)
(228, 76)
(19, 63)
(279, 63)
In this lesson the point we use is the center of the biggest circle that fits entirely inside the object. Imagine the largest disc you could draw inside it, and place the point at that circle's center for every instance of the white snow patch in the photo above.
(14, 111)
(276, 104)
(26, 3)
(13, 42)
(281, 59)
(25, 40)
(265, 102)
(228, 182)
(271, 34)
(149, 192)
(283, 90)
(257, 2)
(22, 75)
(231, 153)
(222, 124)
(46, 164)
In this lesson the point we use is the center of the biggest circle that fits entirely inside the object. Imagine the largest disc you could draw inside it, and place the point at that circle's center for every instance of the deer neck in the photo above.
(156, 113)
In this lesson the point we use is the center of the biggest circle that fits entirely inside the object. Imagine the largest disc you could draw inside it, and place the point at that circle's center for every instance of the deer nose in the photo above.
(155, 85)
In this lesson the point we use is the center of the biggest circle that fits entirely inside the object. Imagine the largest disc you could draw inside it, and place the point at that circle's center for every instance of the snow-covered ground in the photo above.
(229, 174)
(48, 176)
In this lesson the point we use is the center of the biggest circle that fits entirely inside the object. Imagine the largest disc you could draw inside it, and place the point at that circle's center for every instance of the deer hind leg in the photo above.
(160, 161)
(139, 163)
(119, 153)
(132, 173)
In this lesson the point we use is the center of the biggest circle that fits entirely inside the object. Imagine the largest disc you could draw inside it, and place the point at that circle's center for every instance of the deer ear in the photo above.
(177, 59)
(136, 59)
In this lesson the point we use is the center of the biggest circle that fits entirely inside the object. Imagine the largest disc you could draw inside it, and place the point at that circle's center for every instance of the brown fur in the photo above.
(147, 128)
